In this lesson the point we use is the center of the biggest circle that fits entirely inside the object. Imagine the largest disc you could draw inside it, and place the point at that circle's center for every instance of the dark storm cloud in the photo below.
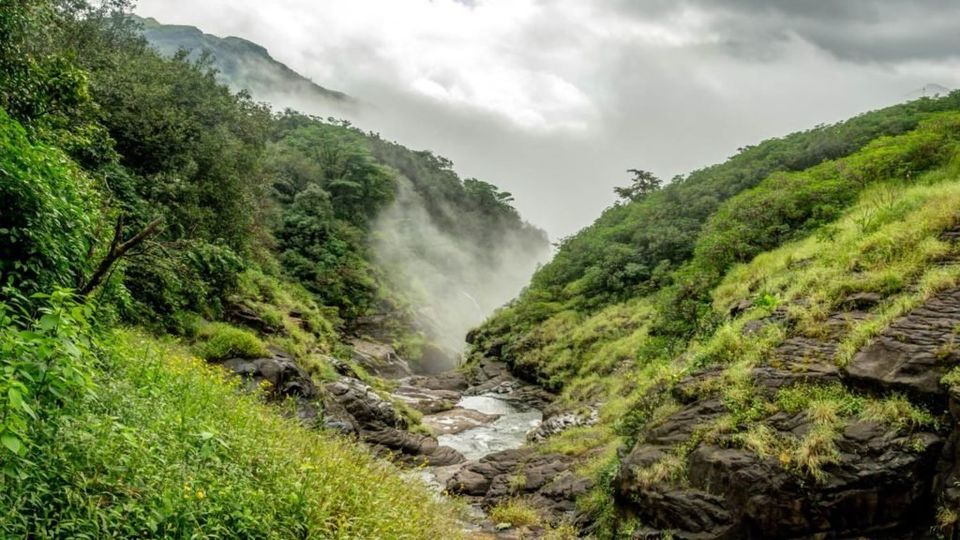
(854, 30)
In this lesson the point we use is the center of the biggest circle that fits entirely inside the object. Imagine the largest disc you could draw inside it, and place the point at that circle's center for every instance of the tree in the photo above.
(641, 185)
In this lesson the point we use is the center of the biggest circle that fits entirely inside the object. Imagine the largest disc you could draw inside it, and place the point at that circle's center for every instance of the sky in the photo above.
(553, 100)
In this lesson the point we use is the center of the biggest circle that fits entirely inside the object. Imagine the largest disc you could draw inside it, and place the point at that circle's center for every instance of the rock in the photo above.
(560, 422)
(368, 410)
(740, 307)
(880, 485)
(679, 427)
(426, 400)
(862, 301)
(792, 372)
(457, 420)
(244, 315)
(692, 387)
(414, 448)
(339, 425)
(379, 359)
(545, 480)
(352, 403)
(453, 381)
(914, 352)
(286, 378)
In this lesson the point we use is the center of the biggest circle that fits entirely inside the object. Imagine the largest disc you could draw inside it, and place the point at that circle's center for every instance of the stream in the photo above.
(509, 429)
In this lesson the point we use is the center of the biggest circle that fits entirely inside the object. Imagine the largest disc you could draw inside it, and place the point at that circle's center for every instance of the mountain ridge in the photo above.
(242, 64)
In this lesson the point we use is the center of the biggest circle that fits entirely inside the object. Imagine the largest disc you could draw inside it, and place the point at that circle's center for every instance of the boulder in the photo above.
(914, 352)
(353, 406)
(380, 359)
(285, 377)
(456, 420)
(545, 480)
(244, 315)
(558, 422)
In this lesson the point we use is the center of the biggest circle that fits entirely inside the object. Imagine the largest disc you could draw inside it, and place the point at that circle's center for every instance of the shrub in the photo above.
(47, 214)
(220, 341)
(44, 364)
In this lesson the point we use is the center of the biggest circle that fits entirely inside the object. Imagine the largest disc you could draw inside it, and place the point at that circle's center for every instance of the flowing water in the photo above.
(506, 432)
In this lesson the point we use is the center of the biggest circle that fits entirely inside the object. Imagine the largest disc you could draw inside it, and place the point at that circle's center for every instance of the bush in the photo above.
(47, 214)
(44, 364)
(220, 341)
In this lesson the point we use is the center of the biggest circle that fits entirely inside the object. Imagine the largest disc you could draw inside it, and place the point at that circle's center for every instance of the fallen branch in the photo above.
(118, 248)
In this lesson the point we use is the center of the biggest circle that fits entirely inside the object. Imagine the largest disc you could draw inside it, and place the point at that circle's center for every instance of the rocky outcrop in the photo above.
(557, 421)
(376, 420)
(545, 480)
(284, 377)
(915, 351)
(491, 377)
(883, 481)
(880, 486)
(379, 359)
(244, 315)
(457, 420)
(433, 394)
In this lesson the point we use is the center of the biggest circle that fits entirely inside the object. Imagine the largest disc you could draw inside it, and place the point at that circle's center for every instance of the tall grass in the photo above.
(167, 448)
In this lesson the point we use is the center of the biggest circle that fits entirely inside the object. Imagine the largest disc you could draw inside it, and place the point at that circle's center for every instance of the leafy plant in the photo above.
(45, 363)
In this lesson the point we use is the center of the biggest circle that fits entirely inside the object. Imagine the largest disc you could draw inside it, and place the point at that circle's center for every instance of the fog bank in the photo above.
(454, 281)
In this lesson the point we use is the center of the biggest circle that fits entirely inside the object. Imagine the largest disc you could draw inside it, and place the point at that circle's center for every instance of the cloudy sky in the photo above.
(554, 99)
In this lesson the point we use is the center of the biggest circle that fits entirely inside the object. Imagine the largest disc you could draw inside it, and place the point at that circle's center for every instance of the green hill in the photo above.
(721, 343)
(241, 64)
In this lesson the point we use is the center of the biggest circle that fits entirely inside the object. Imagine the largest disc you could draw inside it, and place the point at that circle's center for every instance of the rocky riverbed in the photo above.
(474, 434)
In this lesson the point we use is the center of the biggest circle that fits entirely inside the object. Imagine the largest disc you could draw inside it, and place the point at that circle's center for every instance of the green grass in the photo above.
(220, 341)
(517, 512)
(166, 447)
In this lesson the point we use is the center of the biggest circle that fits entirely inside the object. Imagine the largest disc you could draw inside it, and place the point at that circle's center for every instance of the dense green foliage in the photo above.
(46, 223)
(632, 247)
(137, 190)
(471, 208)
(676, 243)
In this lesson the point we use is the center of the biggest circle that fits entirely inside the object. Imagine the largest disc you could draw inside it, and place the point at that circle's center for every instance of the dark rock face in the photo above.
(886, 482)
(545, 480)
(352, 403)
(881, 485)
(244, 315)
(915, 352)
(491, 377)
(286, 378)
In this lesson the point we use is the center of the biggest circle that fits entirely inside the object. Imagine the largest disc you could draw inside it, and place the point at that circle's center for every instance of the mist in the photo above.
(453, 281)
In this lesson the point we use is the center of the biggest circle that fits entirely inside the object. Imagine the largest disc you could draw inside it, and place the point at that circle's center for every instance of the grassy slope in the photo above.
(840, 235)
(166, 447)
(120, 435)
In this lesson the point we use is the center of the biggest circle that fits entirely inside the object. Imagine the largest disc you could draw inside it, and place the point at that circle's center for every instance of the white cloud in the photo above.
(554, 99)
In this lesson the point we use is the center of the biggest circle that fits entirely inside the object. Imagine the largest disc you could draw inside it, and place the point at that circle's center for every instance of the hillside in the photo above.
(241, 64)
(196, 297)
(762, 346)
